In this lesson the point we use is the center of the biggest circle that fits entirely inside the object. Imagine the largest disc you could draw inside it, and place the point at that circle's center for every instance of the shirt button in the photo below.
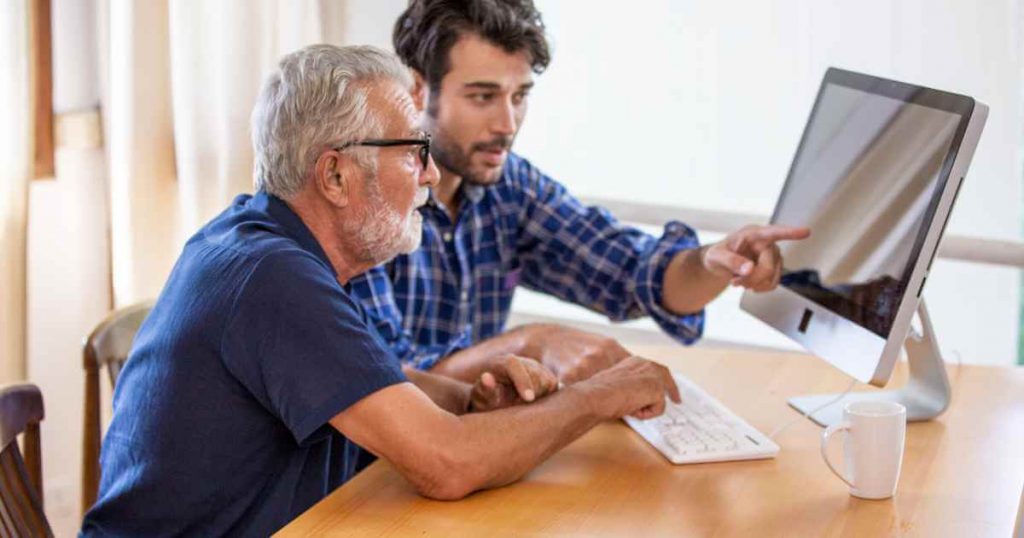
(447, 237)
(464, 296)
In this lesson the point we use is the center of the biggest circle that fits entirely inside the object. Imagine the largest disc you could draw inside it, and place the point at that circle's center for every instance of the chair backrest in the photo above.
(21, 482)
(107, 348)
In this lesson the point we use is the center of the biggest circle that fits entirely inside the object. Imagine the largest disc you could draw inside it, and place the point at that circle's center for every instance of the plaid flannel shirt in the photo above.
(525, 230)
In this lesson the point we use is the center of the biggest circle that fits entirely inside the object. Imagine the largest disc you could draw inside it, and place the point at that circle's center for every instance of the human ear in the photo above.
(331, 177)
(420, 90)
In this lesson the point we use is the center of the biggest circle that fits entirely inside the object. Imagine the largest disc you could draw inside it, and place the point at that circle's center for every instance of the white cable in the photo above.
(813, 411)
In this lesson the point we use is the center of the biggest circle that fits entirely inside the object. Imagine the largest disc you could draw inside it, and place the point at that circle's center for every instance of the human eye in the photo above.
(482, 98)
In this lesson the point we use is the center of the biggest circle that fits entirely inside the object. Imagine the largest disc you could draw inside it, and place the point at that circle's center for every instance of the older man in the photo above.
(496, 222)
(256, 373)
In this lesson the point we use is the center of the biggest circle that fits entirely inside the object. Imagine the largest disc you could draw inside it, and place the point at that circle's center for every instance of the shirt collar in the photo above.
(473, 193)
(281, 212)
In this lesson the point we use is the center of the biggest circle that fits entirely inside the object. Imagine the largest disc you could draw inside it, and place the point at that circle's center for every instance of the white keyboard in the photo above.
(701, 429)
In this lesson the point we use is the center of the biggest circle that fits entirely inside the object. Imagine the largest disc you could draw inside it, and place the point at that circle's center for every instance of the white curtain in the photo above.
(15, 134)
(181, 79)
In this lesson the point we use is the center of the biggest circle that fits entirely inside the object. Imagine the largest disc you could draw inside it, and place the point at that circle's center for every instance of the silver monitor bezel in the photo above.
(841, 342)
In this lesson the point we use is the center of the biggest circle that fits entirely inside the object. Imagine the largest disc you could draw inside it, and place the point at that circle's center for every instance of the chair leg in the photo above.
(91, 440)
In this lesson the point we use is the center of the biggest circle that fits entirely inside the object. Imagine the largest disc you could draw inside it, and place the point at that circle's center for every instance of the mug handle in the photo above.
(844, 427)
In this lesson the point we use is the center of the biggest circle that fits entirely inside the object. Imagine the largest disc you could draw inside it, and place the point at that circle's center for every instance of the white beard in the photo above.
(383, 233)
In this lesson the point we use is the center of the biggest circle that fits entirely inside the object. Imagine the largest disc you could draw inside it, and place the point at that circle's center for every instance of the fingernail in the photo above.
(746, 268)
(528, 395)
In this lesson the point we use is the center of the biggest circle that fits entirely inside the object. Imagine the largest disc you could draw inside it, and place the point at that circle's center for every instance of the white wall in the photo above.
(702, 104)
(370, 22)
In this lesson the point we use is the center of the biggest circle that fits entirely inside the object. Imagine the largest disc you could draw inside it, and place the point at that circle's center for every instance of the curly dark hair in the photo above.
(425, 33)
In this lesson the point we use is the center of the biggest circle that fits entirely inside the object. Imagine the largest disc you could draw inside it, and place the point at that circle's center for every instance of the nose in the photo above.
(431, 176)
(505, 119)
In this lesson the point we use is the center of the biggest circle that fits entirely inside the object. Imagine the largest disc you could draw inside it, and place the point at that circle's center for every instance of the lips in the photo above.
(493, 157)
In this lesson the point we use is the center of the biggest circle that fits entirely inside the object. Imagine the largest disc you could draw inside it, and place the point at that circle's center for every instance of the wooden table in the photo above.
(962, 473)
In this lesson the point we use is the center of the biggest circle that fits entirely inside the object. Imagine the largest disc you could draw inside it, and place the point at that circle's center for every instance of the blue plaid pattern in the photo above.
(526, 230)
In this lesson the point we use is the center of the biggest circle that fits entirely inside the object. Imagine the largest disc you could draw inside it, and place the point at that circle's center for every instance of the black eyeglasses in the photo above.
(424, 144)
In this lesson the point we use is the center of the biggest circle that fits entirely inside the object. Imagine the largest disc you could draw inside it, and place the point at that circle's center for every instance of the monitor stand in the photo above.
(926, 394)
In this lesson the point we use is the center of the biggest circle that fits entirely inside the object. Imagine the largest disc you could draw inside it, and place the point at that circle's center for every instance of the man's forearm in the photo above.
(445, 456)
(687, 286)
(468, 364)
(449, 394)
(499, 447)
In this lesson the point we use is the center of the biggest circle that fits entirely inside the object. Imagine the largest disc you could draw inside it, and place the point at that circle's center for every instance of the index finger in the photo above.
(546, 379)
(775, 232)
(543, 380)
(670, 385)
(521, 380)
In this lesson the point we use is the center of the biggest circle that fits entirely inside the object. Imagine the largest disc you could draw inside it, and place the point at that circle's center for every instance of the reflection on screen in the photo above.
(863, 181)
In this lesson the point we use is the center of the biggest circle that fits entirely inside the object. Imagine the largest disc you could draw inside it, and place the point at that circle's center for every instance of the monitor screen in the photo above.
(865, 180)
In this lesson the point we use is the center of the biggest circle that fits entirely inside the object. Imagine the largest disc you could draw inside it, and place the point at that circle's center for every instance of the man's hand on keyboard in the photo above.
(634, 386)
(572, 354)
(511, 380)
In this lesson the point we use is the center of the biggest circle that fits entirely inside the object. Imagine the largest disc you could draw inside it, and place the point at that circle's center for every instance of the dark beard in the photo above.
(450, 156)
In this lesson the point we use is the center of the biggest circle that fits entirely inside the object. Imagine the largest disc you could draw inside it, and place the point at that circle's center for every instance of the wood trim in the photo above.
(630, 337)
(952, 247)
(81, 129)
(41, 88)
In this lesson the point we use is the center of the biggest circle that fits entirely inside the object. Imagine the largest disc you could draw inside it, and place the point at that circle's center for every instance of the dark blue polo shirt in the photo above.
(220, 422)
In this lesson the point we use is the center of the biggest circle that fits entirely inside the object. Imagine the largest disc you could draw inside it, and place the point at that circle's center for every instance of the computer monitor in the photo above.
(875, 176)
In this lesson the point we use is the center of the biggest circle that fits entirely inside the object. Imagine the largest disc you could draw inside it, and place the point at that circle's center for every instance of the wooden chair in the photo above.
(107, 348)
(21, 480)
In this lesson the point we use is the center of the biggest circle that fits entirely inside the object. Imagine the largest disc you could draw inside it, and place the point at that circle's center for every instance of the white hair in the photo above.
(316, 98)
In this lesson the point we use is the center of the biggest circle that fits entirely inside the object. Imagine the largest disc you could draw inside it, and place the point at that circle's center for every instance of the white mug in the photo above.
(873, 447)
